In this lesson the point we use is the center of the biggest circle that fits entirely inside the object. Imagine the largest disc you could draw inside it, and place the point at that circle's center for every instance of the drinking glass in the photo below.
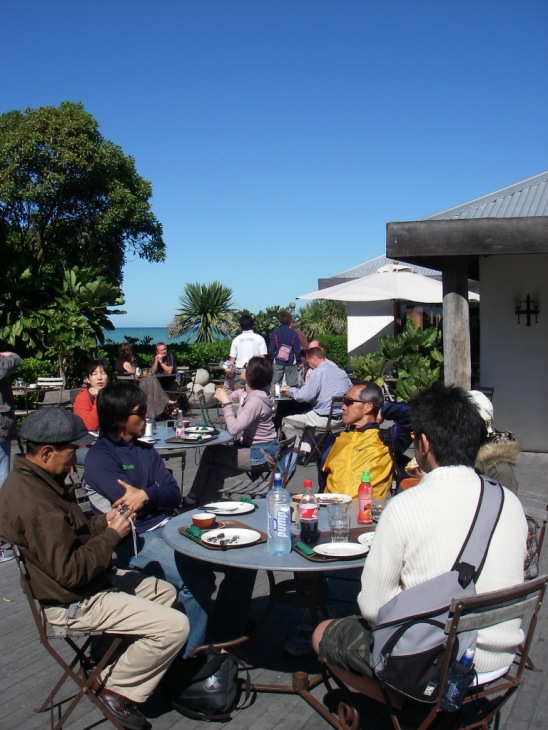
(339, 525)
(377, 508)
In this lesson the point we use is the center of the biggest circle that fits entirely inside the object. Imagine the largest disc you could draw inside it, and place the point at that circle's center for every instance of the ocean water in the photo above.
(158, 334)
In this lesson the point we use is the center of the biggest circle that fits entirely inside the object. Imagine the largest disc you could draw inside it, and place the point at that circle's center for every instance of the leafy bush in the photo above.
(369, 367)
(336, 349)
(32, 368)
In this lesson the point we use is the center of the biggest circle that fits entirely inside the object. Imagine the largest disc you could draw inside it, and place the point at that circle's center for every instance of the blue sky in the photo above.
(280, 136)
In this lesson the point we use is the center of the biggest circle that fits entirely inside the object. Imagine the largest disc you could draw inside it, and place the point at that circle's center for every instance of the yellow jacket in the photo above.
(352, 452)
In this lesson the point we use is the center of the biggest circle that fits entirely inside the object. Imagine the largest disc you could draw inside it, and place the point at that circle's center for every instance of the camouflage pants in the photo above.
(347, 644)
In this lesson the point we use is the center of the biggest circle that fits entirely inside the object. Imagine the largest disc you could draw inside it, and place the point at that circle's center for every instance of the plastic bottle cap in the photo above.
(307, 484)
(366, 476)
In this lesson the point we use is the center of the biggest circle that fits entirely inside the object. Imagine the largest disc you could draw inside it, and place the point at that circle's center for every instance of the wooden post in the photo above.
(456, 323)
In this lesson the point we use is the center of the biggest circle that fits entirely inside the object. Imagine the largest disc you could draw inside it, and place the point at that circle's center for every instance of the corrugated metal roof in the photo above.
(526, 198)
(373, 265)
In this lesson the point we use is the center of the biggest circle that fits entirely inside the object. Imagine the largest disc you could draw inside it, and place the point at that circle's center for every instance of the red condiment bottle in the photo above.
(365, 499)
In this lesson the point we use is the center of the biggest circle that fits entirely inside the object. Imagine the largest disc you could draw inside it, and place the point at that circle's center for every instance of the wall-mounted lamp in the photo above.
(531, 307)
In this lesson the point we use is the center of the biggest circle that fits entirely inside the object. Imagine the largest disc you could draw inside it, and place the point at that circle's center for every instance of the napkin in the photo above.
(304, 549)
(245, 498)
(194, 531)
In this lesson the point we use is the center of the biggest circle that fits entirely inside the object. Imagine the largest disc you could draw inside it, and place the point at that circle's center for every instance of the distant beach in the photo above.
(158, 334)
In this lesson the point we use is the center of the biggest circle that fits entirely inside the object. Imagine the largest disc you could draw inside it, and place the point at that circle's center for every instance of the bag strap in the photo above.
(473, 553)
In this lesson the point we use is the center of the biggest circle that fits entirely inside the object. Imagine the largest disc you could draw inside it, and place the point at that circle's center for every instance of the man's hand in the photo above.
(120, 522)
(134, 498)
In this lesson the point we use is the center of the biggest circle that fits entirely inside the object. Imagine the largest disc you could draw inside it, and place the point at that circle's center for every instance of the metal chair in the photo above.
(82, 669)
(482, 702)
(255, 486)
(309, 432)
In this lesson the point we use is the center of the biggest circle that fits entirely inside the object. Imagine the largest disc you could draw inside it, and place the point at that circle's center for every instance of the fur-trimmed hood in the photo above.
(491, 454)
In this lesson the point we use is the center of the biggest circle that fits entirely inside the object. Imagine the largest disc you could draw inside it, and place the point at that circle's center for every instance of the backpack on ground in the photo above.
(409, 638)
(208, 687)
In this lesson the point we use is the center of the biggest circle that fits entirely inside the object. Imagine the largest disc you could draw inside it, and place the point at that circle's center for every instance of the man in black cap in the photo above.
(69, 561)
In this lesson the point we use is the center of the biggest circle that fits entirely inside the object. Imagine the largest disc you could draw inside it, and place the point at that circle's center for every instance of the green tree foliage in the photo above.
(69, 328)
(320, 318)
(413, 358)
(68, 197)
(205, 313)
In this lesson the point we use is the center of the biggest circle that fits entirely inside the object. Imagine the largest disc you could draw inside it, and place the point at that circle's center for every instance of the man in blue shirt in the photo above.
(284, 350)
(327, 380)
(129, 472)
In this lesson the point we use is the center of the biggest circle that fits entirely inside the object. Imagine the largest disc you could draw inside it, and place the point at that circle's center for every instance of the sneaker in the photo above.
(300, 644)
(6, 553)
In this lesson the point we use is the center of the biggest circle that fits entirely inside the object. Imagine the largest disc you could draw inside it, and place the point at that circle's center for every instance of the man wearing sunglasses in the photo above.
(325, 382)
(123, 471)
(360, 446)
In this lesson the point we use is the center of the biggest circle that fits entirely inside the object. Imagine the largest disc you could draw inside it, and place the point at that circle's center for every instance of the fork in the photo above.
(232, 539)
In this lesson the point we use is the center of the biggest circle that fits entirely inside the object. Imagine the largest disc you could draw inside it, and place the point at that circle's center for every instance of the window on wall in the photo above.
(422, 315)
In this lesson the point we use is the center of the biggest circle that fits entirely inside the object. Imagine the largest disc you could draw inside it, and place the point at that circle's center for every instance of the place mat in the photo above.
(226, 523)
(325, 537)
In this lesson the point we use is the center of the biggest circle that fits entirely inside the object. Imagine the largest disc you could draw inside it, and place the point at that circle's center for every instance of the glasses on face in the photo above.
(348, 401)
(141, 412)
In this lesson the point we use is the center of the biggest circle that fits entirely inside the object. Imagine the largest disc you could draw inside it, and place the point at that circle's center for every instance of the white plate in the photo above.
(366, 538)
(202, 436)
(148, 439)
(245, 537)
(341, 549)
(199, 429)
(330, 498)
(229, 508)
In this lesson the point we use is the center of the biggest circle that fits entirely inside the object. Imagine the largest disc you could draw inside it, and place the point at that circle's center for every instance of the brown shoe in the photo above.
(120, 707)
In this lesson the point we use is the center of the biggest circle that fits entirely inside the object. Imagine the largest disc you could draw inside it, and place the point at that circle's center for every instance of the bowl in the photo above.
(204, 520)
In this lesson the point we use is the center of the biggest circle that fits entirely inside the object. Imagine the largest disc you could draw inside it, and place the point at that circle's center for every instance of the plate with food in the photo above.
(229, 507)
(327, 498)
(199, 429)
(341, 549)
(231, 536)
(148, 439)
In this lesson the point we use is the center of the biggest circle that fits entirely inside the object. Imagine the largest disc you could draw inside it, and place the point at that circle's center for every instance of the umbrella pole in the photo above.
(396, 316)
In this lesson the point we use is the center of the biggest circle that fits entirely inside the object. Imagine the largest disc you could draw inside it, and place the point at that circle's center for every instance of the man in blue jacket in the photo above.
(128, 472)
(284, 350)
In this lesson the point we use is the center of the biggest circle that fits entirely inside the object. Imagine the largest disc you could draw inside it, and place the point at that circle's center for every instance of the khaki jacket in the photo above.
(67, 554)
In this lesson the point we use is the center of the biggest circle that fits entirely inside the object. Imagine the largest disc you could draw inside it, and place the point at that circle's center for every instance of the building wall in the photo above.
(513, 358)
(367, 321)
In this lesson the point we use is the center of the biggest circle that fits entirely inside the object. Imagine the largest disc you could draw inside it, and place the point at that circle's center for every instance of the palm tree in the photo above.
(320, 318)
(205, 312)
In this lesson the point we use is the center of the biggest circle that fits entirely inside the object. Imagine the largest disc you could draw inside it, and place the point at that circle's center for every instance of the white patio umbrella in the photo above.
(393, 281)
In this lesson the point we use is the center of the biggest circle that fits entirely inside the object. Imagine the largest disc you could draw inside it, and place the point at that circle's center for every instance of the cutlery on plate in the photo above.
(226, 542)
(217, 537)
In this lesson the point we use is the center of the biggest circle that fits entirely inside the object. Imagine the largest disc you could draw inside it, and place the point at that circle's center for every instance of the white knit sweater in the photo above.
(419, 537)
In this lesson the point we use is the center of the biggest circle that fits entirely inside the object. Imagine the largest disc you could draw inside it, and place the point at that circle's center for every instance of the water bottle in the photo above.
(308, 514)
(365, 499)
(278, 506)
(179, 425)
(458, 681)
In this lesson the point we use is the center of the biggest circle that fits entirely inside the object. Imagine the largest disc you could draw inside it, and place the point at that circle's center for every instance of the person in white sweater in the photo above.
(422, 530)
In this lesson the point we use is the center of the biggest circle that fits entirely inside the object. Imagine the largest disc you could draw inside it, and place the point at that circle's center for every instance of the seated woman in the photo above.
(126, 471)
(125, 364)
(259, 442)
(85, 403)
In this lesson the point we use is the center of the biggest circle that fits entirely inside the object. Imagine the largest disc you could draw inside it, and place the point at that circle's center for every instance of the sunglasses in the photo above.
(349, 401)
(141, 412)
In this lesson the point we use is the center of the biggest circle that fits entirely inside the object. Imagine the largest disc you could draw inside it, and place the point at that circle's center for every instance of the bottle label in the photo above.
(308, 513)
(281, 523)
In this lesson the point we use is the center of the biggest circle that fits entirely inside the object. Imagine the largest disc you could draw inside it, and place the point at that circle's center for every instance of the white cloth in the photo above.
(419, 536)
(246, 345)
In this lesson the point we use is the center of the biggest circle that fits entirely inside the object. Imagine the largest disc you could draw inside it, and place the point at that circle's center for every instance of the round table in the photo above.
(256, 557)
(170, 450)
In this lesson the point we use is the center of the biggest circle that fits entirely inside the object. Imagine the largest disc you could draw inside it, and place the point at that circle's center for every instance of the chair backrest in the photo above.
(536, 528)
(285, 449)
(49, 382)
(336, 405)
(26, 585)
(486, 610)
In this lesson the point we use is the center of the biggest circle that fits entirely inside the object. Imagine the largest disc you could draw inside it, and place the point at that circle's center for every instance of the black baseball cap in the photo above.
(55, 425)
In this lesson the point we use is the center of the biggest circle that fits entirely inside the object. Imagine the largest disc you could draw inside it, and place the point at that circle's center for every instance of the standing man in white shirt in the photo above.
(246, 345)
